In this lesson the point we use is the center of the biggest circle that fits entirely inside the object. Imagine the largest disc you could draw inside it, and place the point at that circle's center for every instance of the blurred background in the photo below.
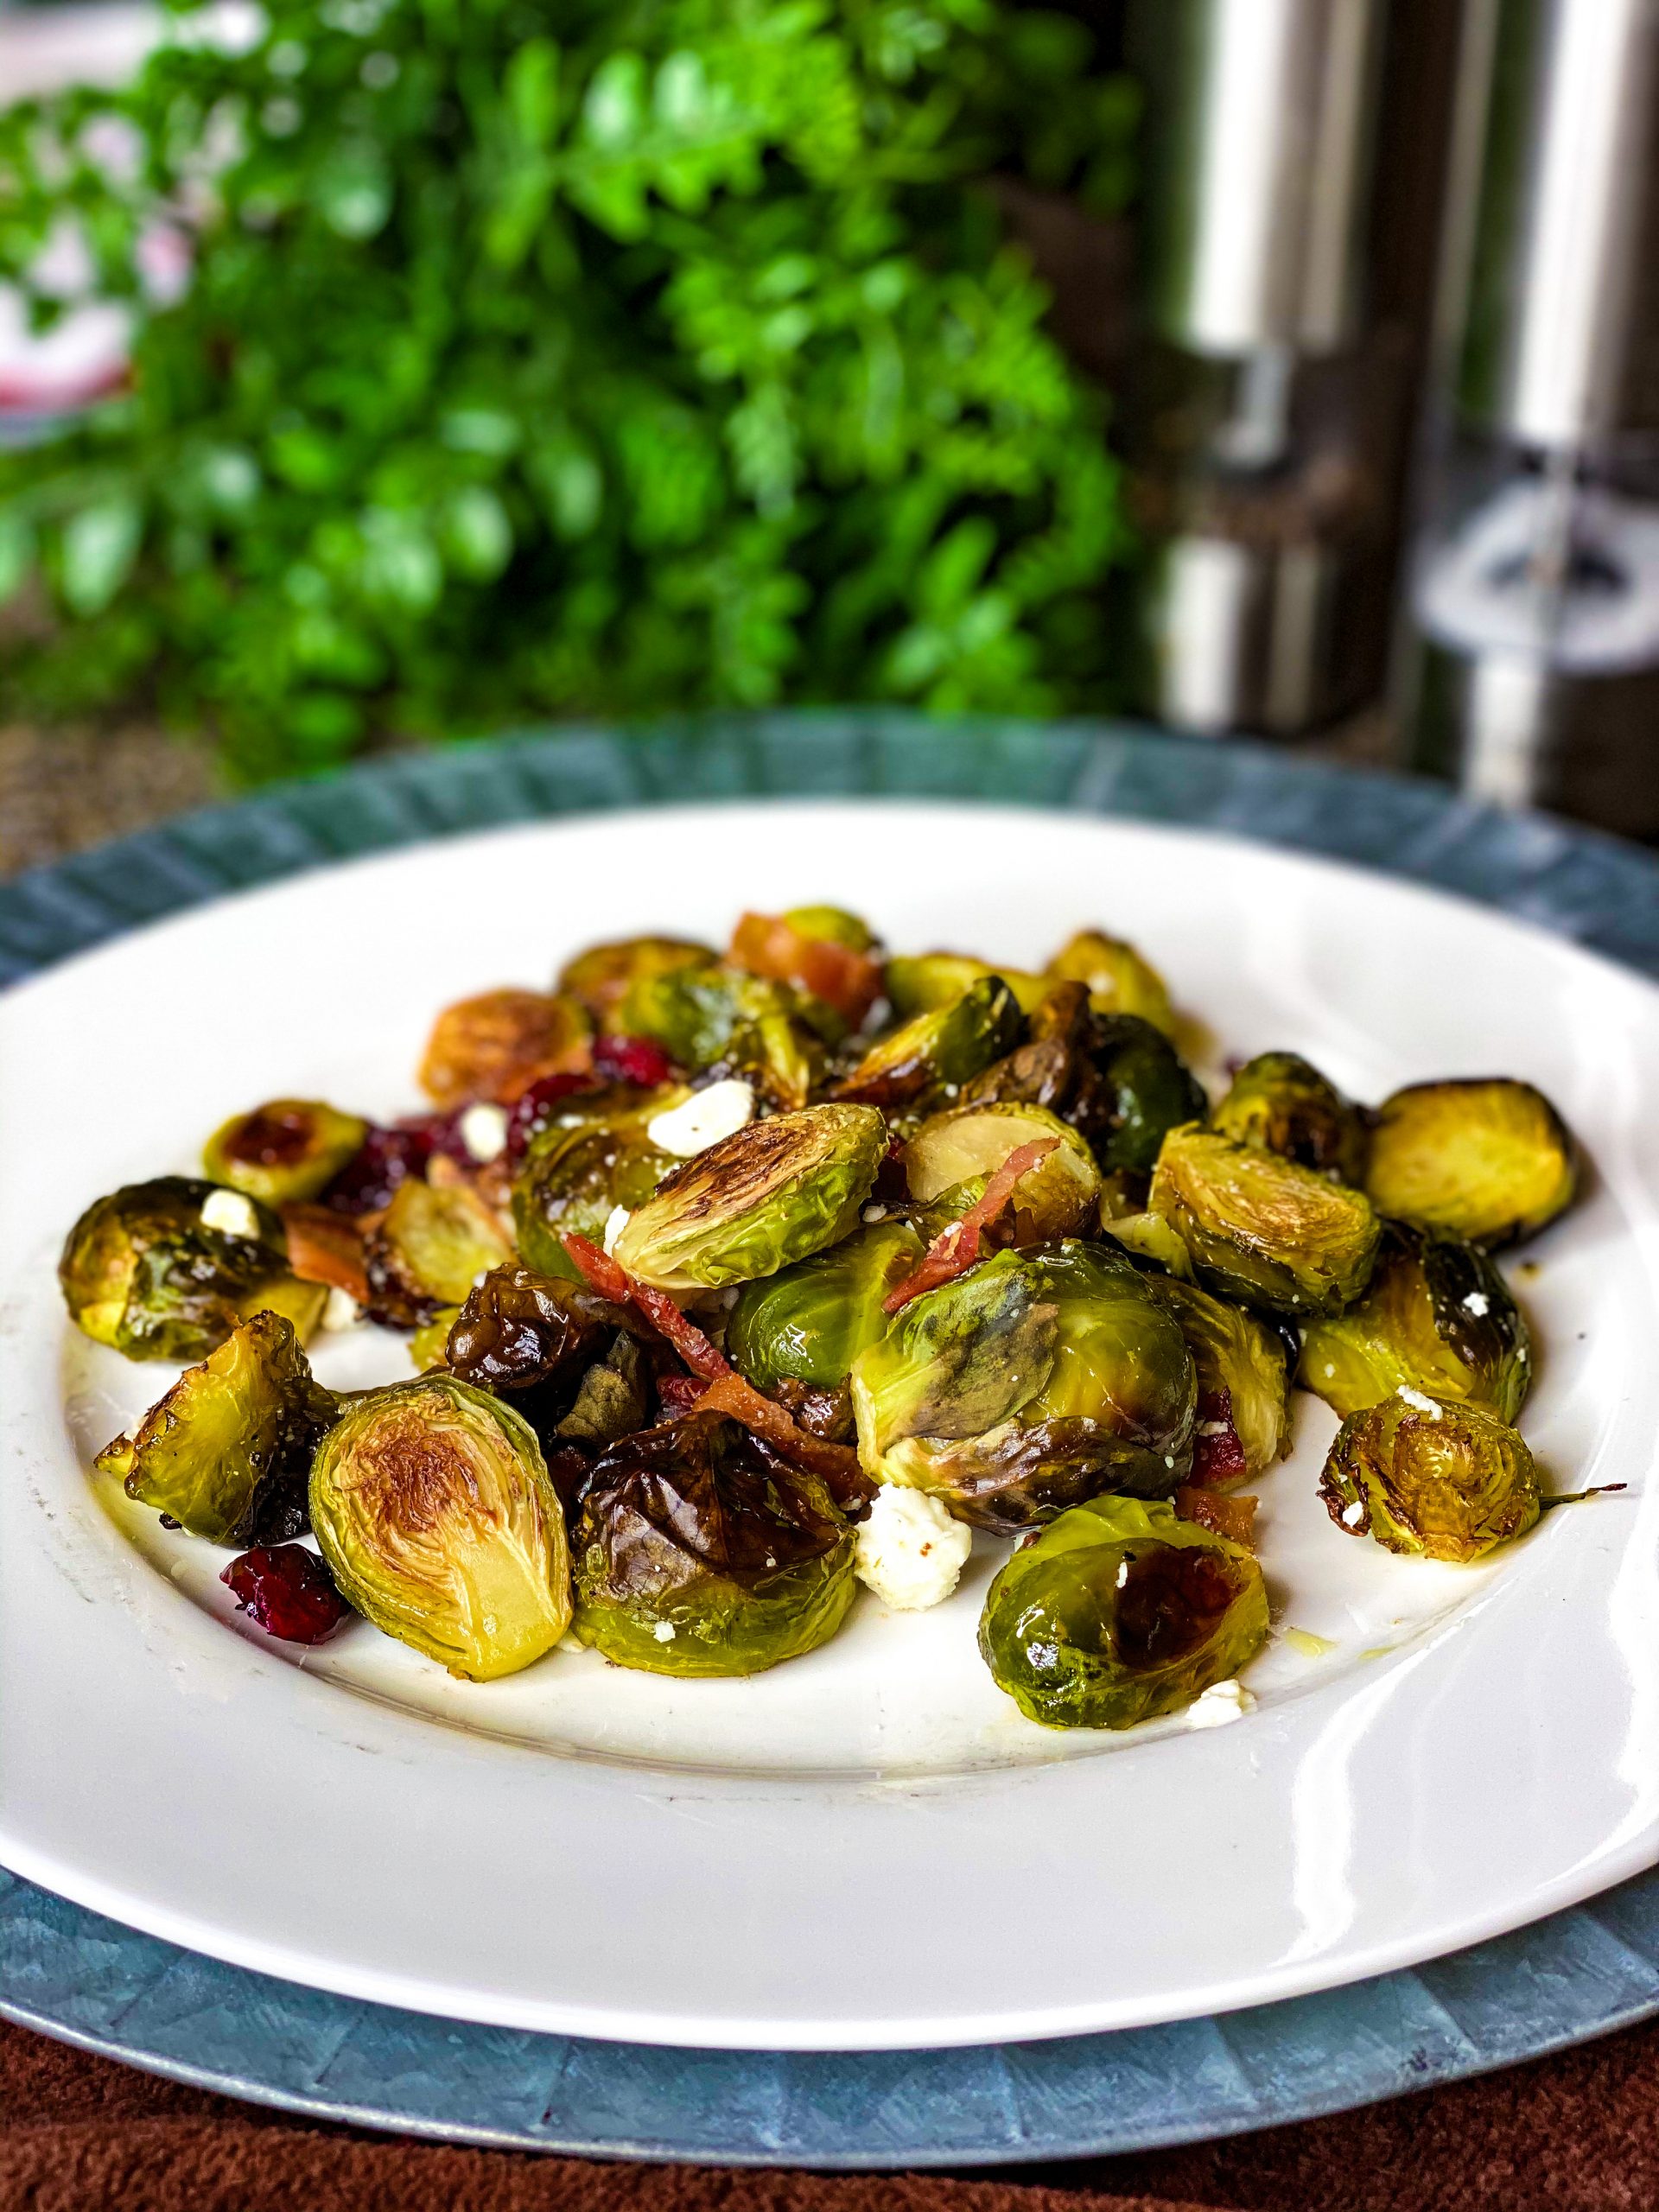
(379, 371)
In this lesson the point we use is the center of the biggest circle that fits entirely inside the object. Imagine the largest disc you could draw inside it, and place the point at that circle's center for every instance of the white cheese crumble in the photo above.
(909, 1550)
(1416, 1398)
(704, 1118)
(1354, 1514)
(664, 1631)
(875, 1213)
(340, 1310)
(230, 1214)
(1221, 1702)
(615, 1221)
(484, 1130)
(1476, 1303)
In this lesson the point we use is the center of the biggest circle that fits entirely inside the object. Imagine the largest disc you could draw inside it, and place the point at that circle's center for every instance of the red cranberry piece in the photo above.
(288, 1591)
(384, 1160)
(1218, 1454)
(631, 1060)
(533, 1109)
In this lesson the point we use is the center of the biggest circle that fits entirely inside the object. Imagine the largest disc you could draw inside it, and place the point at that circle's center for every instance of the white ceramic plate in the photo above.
(867, 1847)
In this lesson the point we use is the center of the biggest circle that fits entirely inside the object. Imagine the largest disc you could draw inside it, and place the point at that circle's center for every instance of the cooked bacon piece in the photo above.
(1234, 1516)
(768, 945)
(835, 1464)
(685, 1334)
(1218, 1454)
(955, 1249)
(324, 1246)
(680, 1392)
(598, 1269)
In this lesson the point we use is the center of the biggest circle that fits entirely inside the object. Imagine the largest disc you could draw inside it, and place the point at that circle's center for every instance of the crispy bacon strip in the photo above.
(768, 945)
(598, 1269)
(955, 1249)
(1234, 1516)
(327, 1247)
(685, 1336)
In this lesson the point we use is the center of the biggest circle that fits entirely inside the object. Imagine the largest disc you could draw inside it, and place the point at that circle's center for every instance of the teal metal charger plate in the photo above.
(1581, 1974)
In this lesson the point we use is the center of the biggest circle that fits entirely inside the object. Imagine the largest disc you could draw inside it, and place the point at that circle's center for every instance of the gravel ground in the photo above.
(66, 788)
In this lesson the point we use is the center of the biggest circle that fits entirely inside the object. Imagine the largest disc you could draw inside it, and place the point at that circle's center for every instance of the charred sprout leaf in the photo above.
(928, 1057)
(1261, 1229)
(1279, 1101)
(699, 1551)
(613, 1398)
(1031, 1382)
(228, 1434)
(1239, 1359)
(775, 1193)
(1057, 1198)
(435, 1511)
(723, 1018)
(807, 1323)
(428, 1250)
(141, 1270)
(1119, 1612)
(573, 1179)
(1119, 980)
(1427, 1477)
(493, 1046)
(1438, 1317)
(921, 984)
(285, 1152)
(1487, 1161)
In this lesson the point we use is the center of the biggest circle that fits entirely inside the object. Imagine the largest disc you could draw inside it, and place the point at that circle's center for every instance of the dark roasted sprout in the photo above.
(600, 978)
(1033, 1381)
(1489, 1161)
(918, 984)
(429, 1249)
(1244, 1371)
(226, 1452)
(722, 1019)
(285, 1152)
(967, 1144)
(573, 1178)
(1280, 1100)
(1118, 980)
(809, 1322)
(1438, 1317)
(1120, 1611)
(698, 1551)
(1429, 1477)
(434, 1509)
(1261, 1229)
(563, 1358)
(927, 1059)
(141, 1270)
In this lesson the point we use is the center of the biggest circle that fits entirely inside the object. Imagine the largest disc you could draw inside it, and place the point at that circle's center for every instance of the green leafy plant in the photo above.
(567, 356)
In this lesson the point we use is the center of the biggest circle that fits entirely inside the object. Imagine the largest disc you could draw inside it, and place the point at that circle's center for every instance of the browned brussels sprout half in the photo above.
(1280, 1100)
(933, 1055)
(1031, 1382)
(231, 1435)
(540, 1342)
(1119, 980)
(1240, 1358)
(722, 1017)
(809, 1323)
(1489, 1161)
(1427, 1477)
(775, 1193)
(1261, 1229)
(429, 1249)
(600, 978)
(573, 1179)
(1120, 1611)
(143, 1271)
(920, 984)
(285, 1152)
(1436, 1316)
(1056, 1199)
(494, 1045)
(699, 1552)
(432, 1505)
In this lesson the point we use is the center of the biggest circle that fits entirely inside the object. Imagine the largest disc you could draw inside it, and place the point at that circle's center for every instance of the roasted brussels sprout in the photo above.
(1118, 979)
(538, 1342)
(1437, 1315)
(935, 979)
(1261, 1229)
(723, 1018)
(698, 1551)
(285, 1152)
(928, 1057)
(1150, 1088)
(820, 949)
(1033, 1381)
(1119, 1612)
(142, 1270)
(1279, 1101)
(600, 978)
(1244, 1368)
(1428, 1476)
(809, 1324)
(433, 1508)
(429, 1249)
(217, 1452)
(491, 1046)
(1149, 1236)
(1056, 1199)
(613, 1399)
(1490, 1161)
(573, 1179)
(775, 1193)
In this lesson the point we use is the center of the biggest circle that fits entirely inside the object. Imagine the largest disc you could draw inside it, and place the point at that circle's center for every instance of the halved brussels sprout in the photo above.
(1119, 1612)
(833, 926)
(573, 1179)
(917, 985)
(699, 1552)
(809, 1324)
(285, 1152)
(1150, 1088)
(1240, 1360)
(231, 1434)
(1118, 979)
(1056, 1199)
(429, 1249)
(600, 978)
(775, 1193)
(1261, 1229)
(1490, 1160)
(432, 1505)
(720, 1017)
(1280, 1101)
(819, 949)
(1033, 1381)
(1438, 1316)
(1430, 1478)
(142, 1271)
(933, 1055)
(490, 1047)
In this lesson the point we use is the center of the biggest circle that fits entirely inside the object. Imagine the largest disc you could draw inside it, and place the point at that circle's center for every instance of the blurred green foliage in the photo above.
(569, 355)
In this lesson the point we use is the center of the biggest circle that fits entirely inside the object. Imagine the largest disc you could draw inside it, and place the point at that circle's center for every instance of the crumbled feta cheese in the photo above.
(1520, 1353)
(484, 1130)
(340, 1310)
(1476, 1303)
(875, 1213)
(230, 1214)
(615, 1221)
(1354, 1514)
(1213, 1428)
(704, 1118)
(1221, 1702)
(1416, 1398)
(664, 1631)
(909, 1550)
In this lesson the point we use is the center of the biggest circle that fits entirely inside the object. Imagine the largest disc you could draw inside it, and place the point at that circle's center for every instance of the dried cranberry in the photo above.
(1218, 1454)
(680, 1392)
(532, 1109)
(631, 1060)
(384, 1160)
(288, 1591)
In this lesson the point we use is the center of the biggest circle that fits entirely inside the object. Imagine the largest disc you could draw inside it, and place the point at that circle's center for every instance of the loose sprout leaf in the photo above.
(1243, 1371)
